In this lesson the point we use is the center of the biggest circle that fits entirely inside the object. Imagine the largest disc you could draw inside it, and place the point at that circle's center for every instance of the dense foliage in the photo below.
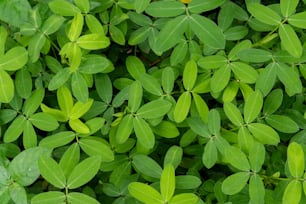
(155, 102)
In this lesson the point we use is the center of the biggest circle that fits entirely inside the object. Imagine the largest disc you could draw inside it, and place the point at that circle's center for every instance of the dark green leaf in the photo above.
(23, 83)
(273, 101)
(173, 156)
(6, 87)
(135, 96)
(143, 133)
(60, 78)
(254, 55)
(135, 67)
(266, 79)
(104, 87)
(14, 15)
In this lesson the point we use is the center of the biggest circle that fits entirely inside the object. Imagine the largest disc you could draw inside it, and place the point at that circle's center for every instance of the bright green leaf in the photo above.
(295, 156)
(293, 192)
(264, 133)
(182, 106)
(50, 197)
(44, 121)
(234, 183)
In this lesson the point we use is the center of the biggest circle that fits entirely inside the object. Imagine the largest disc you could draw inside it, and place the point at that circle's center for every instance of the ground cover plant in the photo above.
(155, 102)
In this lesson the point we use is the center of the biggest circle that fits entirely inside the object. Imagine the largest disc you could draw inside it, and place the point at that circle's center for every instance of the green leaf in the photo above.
(168, 79)
(293, 192)
(257, 156)
(236, 33)
(93, 41)
(24, 167)
(199, 127)
(264, 133)
(290, 41)
(135, 96)
(15, 15)
(244, 72)
(234, 183)
(139, 35)
(150, 84)
(273, 101)
(70, 159)
(214, 121)
(147, 166)
(145, 193)
(210, 155)
(52, 24)
(252, 106)
(237, 158)
(256, 189)
(14, 59)
(167, 183)
(154, 109)
(23, 83)
(51, 171)
(264, 14)
(81, 198)
(78, 126)
(254, 55)
(184, 198)
(282, 123)
(104, 87)
(143, 132)
(76, 27)
(288, 7)
(93, 24)
(80, 109)
(64, 99)
(135, 67)
(165, 9)
(190, 75)
(295, 159)
(60, 78)
(182, 106)
(166, 129)
(3, 37)
(94, 147)
(44, 121)
(7, 115)
(18, 194)
(233, 114)
(35, 45)
(58, 139)
(201, 107)
(50, 197)
(207, 31)
(179, 53)
(173, 156)
(298, 20)
(117, 35)
(139, 19)
(83, 172)
(31, 105)
(29, 136)
(83, 5)
(266, 79)
(212, 61)
(220, 79)
(15, 129)
(79, 87)
(187, 182)
(199, 6)
(94, 64)
(63, 8)
(124, 129)
(6, 87)
(171, 33)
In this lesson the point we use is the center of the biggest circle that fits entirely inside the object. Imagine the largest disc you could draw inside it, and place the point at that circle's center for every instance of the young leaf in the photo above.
(14, 59)
(51, 171)
(252, 107)
(150, 84)
(154, 109)
(288, 7)
(56, 140)
(282, 123)
(83, 172)
(93, 41)
(207, 31)
(235, 183)
(44, 121)
(143, 132)
(78, 126)
(165, 9)
(233, 114)
(145, 193)
(237, 158)
(184, 198)
(295, 156)
(264, 133)
(264, 14)
(64, 99)
(210, 155)
(94, 147)
(50, 197)
(63, 8)
(173, 156)
(124, 129)
(293, 192)
(135, 96)
(182, 106)
(290, 40)
(256, 189)
(147, 166)
(80, 109)
(190, 75)
(6, 87)
(167, 183)
(15, 129)
(80, 198)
